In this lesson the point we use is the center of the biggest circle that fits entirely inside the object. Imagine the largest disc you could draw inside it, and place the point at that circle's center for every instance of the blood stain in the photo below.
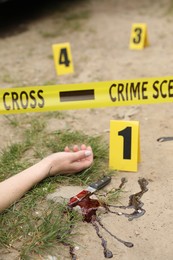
(90, 206)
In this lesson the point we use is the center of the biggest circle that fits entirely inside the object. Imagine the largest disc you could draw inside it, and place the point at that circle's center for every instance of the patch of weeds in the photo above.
(32, 223)
(10, 161)
(55, 114)
(7, 79)
(37, 229)
(33, 133)
(73, 21)
(111, 196)
(12, 120)
(50, 82)
(54, 225)
(78, 16)
(48, 34)
(19, 120)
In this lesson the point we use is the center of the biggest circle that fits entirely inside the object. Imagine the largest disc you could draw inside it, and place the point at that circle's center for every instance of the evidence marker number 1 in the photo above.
(124, 147)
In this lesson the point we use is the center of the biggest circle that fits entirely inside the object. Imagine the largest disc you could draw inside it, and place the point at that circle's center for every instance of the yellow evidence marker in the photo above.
(139, 37)
(124, 146)
(62, 58)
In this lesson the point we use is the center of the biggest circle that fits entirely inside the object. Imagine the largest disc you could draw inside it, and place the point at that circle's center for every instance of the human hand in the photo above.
(69, 162)
(66, 162)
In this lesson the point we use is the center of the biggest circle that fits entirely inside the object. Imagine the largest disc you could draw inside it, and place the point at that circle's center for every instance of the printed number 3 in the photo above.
(63, 57)
(127, 136)
(138, 32)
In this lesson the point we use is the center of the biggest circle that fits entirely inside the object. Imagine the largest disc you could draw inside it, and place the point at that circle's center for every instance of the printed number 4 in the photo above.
(63, 57)
(127, 136)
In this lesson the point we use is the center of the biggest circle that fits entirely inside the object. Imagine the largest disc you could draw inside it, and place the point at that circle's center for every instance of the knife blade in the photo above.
(93, 187)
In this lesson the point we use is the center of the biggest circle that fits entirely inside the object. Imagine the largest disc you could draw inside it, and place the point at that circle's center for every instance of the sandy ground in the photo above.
(100, 53)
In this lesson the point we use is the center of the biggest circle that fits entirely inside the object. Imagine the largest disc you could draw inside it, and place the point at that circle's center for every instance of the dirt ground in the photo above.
(99, 40)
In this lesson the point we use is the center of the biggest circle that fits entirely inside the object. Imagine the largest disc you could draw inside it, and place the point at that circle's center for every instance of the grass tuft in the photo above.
(33, 225)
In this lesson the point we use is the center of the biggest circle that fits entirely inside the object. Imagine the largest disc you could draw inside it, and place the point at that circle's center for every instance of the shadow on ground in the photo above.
(16, 15)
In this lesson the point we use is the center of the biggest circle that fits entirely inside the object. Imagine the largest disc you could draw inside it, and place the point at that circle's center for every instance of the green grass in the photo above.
(78, 15)
(61, 23)
(48, 34)
(31, 225)
(7, 78)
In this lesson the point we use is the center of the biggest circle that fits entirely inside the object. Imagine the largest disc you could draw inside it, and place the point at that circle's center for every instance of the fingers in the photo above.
(76, 148)
(83, 161)
(81, 155)
(89, 148)
(66, 149)
(83, 147)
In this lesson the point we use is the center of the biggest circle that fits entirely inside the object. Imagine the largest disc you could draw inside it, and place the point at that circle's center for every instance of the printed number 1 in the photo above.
(63, 58)
(138, 32)
(127, 136)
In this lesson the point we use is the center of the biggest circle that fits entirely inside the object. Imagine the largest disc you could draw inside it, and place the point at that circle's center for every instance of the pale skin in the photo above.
(67, 162)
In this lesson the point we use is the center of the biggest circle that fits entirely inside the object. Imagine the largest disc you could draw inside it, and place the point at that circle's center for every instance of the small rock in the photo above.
(137, 233)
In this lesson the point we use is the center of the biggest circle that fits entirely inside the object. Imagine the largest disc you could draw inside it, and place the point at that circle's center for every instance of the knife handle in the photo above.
(101, 183)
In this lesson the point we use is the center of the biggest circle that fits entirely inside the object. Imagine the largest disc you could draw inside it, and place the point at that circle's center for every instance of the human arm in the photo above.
(67, 162)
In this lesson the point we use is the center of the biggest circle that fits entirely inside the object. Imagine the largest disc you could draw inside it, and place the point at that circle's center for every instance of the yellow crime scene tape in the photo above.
(86, 95)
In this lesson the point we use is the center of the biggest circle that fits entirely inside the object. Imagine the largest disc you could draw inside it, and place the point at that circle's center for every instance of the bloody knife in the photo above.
(89, 190)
